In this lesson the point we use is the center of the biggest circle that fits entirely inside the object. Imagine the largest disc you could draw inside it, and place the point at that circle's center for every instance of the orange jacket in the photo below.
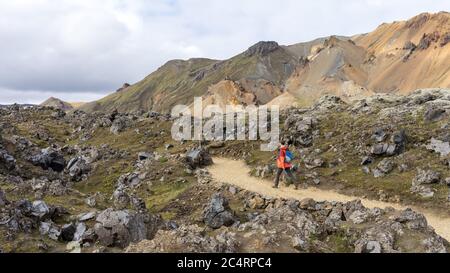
(281, 159)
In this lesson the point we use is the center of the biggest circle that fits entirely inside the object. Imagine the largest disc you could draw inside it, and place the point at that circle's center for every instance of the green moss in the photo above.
(258, 157)
(168, 215)
(163, 160)
(410, 242)
(164, 193)
(104, 178)
(74, 204)
(237, 206)
(28, 243)
(339, 243)
(7, 186)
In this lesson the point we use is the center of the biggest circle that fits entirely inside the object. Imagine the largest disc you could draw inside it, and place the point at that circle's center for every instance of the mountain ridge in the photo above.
(397, 57)
(58, 104)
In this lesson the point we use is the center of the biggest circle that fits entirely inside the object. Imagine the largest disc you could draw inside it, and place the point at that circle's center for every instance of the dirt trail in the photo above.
(237, 173)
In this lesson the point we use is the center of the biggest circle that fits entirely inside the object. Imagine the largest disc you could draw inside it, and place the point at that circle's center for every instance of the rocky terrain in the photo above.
(116, 181)
(397, 58)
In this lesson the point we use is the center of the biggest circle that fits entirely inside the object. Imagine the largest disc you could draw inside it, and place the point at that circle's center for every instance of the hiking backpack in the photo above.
(289, 156)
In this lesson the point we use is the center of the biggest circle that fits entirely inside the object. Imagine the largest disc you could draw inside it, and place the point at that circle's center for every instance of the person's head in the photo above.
(286, 143)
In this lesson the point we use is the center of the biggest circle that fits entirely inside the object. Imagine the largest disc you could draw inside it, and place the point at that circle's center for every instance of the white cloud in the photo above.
(73, 48)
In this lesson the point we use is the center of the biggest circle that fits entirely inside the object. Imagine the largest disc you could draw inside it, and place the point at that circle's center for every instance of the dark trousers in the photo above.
(288, 174)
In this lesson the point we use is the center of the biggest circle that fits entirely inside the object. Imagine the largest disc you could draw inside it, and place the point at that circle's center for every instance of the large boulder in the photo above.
(412, 219)
(50, 229)
(49, 159)
(438, 146)
(381, 149)
(384, 167)
(421, 182)
(426, 177)
(40, 209)
(122, 227)
(78, 168)
(198, 158)
(129, 180)
(6, 160)
(313, 163)
(396, 145)
(218, 213)
(300, 128)
(119, 125)
(434, 114)
(423, 191)
(334, 219)
(68, 232)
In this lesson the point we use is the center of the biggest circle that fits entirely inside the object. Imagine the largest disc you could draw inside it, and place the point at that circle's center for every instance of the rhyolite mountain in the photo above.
(179, 81)
(398, 57)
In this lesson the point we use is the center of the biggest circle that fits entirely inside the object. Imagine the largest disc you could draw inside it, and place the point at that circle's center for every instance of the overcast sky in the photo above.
(80, 50)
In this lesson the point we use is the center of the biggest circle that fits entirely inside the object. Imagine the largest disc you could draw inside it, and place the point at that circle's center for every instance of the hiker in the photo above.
(284, 164)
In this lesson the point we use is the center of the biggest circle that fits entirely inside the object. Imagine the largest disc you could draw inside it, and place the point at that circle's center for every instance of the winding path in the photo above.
(236, 173)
